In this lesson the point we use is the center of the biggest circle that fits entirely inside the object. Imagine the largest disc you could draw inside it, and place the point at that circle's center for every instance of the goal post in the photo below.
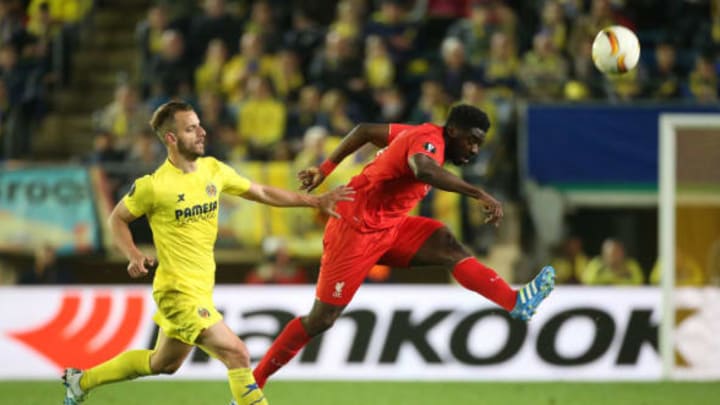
(670, 128)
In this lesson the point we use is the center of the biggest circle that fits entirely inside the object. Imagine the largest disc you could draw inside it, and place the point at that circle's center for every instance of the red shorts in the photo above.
(348, 255)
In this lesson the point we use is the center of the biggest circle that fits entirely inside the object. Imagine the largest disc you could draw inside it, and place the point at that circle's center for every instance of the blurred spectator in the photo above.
(505, 18)
(438, 16)
(11, 21)
(43, 25)
(432, 106)
(105, 154)
(569, 261)
(688, 272)
(250, 61)
(219, 125)
(553, 23)
(215, 22)
(208, 76)
(474, 94)
(313, 151)
(586, 80)
(45, 269)
(664, 77)
(337, 66)
(379, 67)
(12, 74)
(286, 76)
(170, 74)
(392, 105)
(262, 22)
(104, 150)
(146, 151)
(277, 267)
(23, 93)
(335, 107)
(502, 66)
(601, 15)
(304, 37)
(543, 71)
(304, 114)
(348, 21)
(475, 32)
(704, 80)
(124, 117)
(612, 267)
(453, 70)
(391, 24)
(261, 121)
(149, 34)
(626, 86)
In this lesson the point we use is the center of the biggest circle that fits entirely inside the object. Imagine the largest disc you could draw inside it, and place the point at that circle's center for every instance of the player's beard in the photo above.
(190, 152)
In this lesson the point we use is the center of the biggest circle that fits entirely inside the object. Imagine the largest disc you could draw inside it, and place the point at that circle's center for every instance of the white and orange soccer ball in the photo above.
(616, 49)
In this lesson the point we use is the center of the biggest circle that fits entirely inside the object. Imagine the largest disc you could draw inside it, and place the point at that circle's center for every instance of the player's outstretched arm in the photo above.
(361, 134)
(430, 172)
(278, 197)
(119, 219)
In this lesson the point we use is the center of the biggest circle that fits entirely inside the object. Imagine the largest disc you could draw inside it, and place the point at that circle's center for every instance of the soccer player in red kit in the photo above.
(375, 228)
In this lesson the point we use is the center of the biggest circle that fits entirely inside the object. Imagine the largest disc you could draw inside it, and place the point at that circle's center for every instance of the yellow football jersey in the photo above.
(182, 209)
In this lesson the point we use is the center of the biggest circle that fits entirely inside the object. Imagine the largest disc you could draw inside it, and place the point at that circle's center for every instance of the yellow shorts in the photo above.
(184, 317)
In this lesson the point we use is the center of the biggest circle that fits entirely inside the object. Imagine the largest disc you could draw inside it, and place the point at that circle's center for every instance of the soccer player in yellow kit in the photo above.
(180, 200)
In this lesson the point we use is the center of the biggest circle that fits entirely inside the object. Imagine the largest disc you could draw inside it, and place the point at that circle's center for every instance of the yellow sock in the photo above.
(126, 366)
(244, 388)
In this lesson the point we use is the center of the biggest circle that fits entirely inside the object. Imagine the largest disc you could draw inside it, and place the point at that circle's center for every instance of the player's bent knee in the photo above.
(235, 356)
(169, 367)
(451, 250)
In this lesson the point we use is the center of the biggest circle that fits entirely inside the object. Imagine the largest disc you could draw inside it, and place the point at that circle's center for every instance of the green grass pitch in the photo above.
(168, 392)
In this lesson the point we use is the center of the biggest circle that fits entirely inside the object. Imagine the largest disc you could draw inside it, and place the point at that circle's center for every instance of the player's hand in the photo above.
(326, 201)
(493, 209)
(310, 178)
(140, 265)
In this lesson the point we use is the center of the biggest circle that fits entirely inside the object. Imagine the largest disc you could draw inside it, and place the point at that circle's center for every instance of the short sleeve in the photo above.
(397, 129)
(427, 144)
(232, 182)
(139, 200)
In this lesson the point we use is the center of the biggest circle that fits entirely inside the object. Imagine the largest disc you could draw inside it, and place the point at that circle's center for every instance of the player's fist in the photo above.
(310, 178)
(140, 265)
(493, 209)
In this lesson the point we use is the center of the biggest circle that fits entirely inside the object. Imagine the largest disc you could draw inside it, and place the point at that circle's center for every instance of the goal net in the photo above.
(689, 245)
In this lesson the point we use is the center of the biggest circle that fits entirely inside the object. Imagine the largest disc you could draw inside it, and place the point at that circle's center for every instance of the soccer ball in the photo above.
(615, 49)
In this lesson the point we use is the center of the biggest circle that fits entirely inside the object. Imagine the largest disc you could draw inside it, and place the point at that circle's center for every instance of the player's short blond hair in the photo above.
(163, 119)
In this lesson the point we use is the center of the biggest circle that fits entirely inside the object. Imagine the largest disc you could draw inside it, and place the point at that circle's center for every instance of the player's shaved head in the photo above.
(163, 119)
(465, 116)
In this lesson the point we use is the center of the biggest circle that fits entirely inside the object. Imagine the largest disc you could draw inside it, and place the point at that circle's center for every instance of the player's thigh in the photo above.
(184, 317)
(416, 243)
(169, 354)
(222, 343)
(347, 257)
(440, 248)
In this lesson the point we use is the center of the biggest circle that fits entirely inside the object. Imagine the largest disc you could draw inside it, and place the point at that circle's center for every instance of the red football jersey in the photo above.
(386, 190)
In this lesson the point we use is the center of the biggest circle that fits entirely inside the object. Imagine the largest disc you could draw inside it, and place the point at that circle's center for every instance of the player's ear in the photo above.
(170, 138)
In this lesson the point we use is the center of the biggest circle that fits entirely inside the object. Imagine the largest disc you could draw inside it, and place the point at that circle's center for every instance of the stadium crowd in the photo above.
(277, 80)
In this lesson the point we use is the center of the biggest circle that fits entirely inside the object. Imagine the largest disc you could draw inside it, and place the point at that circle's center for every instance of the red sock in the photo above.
(475, 276)
(283, 349)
